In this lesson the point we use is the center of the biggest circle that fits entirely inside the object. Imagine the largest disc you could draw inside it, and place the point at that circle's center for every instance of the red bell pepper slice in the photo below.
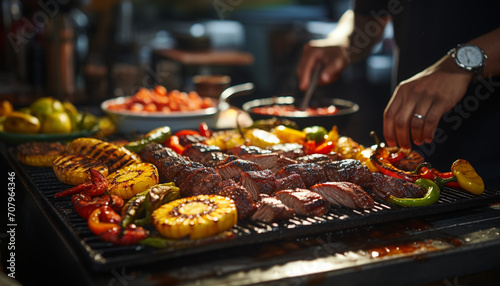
(103, 219)
(175, 144)
(204, 130)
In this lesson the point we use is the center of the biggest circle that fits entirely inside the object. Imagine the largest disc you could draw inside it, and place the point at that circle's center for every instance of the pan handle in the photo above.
(236, 90)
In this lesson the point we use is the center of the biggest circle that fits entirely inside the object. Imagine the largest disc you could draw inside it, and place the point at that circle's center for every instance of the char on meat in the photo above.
(270, 209)
(304, 202)
(202, 181)
(310, 173)
(293, 181)
(208, 155)
(320, 159)
(257, 182)
(288, 150)
(186, 140)
(349, 170)
(243, 200)
(234, 168)
(264, 158)
(384, 186)
(344, 194)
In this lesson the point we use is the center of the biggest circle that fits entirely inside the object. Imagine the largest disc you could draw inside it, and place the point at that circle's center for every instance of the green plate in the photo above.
(17, 138)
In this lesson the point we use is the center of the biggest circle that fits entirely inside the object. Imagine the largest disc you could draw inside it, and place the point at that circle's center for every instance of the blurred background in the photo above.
(87, 51)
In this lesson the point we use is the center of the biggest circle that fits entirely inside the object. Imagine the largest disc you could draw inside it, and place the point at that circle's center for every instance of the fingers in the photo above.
(305, 66)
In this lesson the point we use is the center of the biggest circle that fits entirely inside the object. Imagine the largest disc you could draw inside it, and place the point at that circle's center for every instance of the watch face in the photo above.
(470, 56)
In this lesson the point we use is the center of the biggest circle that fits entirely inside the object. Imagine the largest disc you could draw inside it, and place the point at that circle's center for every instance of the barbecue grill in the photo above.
(352, 246)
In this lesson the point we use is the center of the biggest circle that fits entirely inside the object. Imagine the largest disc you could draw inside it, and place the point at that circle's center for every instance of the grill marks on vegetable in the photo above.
(304, 186)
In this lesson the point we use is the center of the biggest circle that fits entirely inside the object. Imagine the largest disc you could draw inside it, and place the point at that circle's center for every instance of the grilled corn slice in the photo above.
(115, 157)
(132, 179)
(40, 154)
(197, 217)
(74, 169)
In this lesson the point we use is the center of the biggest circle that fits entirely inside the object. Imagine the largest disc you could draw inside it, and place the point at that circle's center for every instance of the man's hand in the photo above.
(430, 93)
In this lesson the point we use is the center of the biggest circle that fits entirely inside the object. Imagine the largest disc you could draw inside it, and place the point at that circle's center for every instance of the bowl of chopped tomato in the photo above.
(150, 108)
(328, 112)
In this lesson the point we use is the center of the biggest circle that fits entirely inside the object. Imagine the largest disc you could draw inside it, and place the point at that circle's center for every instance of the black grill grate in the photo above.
(104, 256)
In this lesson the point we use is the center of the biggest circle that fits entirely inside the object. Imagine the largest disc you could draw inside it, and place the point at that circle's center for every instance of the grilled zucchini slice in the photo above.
(74, 169)
(197, 217)
(133, 179)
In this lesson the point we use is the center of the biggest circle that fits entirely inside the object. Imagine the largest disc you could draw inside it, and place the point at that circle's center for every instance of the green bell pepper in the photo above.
(430, 197)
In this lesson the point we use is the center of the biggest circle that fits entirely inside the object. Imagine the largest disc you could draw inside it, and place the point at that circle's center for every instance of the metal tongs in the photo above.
(312, 87)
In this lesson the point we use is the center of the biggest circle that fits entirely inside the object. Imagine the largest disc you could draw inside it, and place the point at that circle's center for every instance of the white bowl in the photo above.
(129, 122)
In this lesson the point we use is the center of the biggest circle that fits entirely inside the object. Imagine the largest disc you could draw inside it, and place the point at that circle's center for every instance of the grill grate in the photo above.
(105, 256)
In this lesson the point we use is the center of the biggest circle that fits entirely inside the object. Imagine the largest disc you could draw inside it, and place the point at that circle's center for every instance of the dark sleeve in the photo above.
(368, 7)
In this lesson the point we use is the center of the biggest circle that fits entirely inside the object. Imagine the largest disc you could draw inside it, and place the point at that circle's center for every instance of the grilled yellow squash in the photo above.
(197, 217)
(74, 169)
(40, 154)
(132, 179)
(115, 157)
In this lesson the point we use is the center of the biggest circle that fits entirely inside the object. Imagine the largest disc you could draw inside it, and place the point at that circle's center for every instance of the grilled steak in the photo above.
(245, 205)
(344, 194)
(288, 150)
(207, 155)
(310, 173)
(201, 181)
(257, 182)
(304, 202)
(293, 182)
(384, 186)
(349, 170)
(320, 159)
(270, 209)
(234, 168)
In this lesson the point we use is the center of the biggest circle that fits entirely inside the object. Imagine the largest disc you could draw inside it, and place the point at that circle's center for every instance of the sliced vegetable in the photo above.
(195, 217)
(103, 219)
(158, 135)
(289, 135)
(325, 147)
(467, 177)
(175, 144)
(204, 130)
(431, 196)
(261, 138)
(316, 133)
(132, 234)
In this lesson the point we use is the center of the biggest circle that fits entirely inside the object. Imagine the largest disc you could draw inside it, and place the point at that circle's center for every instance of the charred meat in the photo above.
(270, 209)
(293, 182)
(304, 202)
(234, 168)
(288, 150)
(310, 173)
(200, 181)
(245, 204)
(344, 194)
(349, 170)
(257, 182)
(384, 186)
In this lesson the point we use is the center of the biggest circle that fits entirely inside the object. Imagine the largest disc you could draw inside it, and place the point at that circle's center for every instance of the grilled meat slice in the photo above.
(234, 168)
(154, 152)
(384, 186)
(320, 159)
(201, 181)
(257, 182)
(241, 197)
(349, 170)
(304, 202)
(244, 151)
(208, 155)
(344, 194)
(293, 182)
(271, 209)
(186, 140)
(310, 173)
(288, 150)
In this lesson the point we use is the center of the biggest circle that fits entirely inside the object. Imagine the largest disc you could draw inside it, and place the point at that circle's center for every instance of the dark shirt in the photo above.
(424, 31)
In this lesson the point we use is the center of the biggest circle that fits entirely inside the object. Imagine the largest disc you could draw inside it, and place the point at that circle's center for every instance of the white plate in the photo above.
(129, 122)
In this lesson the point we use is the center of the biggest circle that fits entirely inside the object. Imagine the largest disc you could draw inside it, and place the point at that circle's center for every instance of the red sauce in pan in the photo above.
(291, 110)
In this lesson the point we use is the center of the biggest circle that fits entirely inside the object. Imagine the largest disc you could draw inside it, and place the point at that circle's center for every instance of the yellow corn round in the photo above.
(197, 217)
(133, 179)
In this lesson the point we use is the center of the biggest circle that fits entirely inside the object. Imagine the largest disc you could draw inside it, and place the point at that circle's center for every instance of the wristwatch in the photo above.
(469, 57)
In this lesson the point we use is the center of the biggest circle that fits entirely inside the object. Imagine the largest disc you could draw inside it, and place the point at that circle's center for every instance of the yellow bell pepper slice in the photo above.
(467, 177)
